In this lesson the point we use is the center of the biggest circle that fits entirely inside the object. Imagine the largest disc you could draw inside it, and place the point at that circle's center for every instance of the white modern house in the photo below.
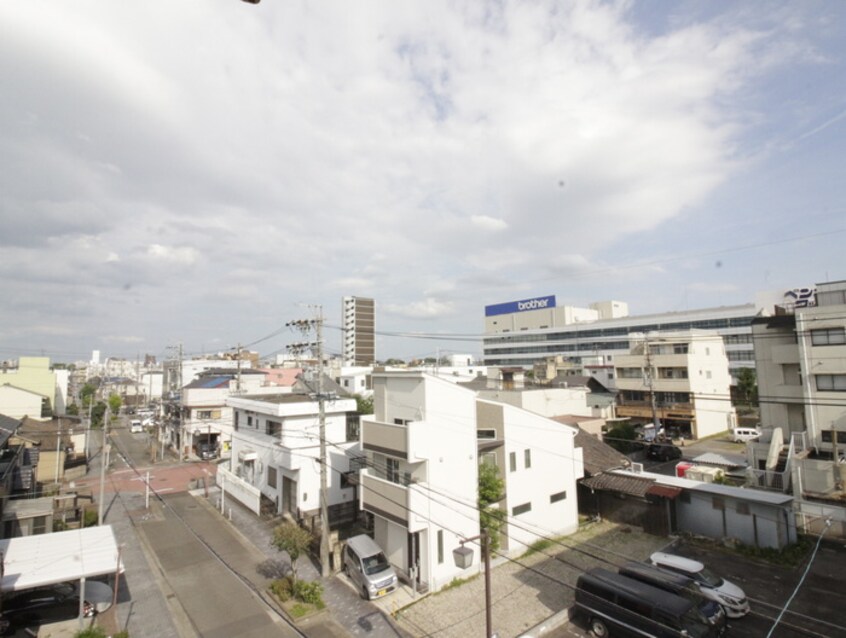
(680, 378)
(276, 451)
(424, 444)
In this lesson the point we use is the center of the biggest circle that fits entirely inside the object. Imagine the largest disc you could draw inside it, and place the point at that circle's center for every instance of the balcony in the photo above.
(386, 438)
(384, 498)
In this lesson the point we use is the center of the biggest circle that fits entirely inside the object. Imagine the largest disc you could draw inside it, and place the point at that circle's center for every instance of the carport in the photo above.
(47, 559)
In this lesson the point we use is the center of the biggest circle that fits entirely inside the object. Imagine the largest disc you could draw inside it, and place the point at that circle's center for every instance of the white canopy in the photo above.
(46, 559)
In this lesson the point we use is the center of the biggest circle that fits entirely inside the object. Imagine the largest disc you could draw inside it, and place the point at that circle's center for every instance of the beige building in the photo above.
(679, 378)
(33, 374)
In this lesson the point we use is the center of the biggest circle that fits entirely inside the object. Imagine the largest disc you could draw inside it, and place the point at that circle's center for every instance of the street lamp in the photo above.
(463, 557)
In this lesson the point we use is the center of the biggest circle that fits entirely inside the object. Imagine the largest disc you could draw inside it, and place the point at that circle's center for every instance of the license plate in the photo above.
(381, 592)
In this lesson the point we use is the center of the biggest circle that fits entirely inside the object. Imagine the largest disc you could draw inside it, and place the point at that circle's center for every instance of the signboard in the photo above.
(801, 297)
(524, 305)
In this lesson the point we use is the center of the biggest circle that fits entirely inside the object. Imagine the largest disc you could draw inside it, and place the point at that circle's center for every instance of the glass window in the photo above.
(559, 496)
(831, 382)
(828, 337)
(271, 476)
(527, 457)
(440, 547)
(512, 461)
(521, 509)
(392, 470)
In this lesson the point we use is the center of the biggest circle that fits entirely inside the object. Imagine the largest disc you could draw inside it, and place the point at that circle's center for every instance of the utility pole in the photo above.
(180, 433)
(104, 459)
(238, 383)
(305, 326)
(647, 373)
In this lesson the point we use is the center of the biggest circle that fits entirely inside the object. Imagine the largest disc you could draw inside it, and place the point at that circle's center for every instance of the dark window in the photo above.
(273, 428)
(718, 503)
(825, 435)
(527, 457)
(271, 476)
(521, 509)
(353, 426)
(743, 508)
(512, 461)
(237, 415)
(392, 470)
(559, 496)
(440, 547)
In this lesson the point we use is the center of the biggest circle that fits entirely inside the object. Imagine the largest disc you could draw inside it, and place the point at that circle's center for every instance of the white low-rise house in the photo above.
(680, 378)
(276, 450)
(424, 444)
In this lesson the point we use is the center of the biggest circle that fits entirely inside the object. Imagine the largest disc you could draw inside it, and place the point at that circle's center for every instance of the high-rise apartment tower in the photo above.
(359, 331)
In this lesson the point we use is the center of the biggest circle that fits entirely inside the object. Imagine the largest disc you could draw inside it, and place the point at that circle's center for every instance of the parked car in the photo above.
(28, 607)
(680, 585)
(712, 586)
(206, 451)
(135, 426)
(741, 435)
(368, 568)
(663, 452)
(621, 606)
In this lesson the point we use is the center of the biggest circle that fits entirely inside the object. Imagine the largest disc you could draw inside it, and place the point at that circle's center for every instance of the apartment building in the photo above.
(359, 324)
(423, 447)
(679, 378)
(276, 450)
(530, 331)
(800, 351)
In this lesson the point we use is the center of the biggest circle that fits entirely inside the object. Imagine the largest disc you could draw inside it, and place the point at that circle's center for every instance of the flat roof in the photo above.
(744, 493)
(47, 559)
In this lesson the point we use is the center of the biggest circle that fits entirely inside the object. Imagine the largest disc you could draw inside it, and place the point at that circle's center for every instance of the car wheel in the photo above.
(364, 593)
(598, 628)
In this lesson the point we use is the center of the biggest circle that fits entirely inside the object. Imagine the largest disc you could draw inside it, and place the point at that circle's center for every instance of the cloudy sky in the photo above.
(204, 171)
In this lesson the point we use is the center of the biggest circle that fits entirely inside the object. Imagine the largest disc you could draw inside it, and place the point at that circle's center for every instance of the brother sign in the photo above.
(537, 303)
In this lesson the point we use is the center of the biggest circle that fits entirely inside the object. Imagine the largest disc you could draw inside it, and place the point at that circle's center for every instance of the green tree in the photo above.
(86, 394)
(97, 413)
(747, 386)
(115, 403)
(621, 438)
(73, 409)
(293, 539)
(363, 405)
(491, 492)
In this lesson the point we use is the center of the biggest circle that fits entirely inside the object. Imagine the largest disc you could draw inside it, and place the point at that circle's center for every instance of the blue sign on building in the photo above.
(535, 303)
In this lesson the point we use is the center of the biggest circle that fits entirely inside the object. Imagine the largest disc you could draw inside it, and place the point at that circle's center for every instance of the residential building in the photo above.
(423, 447)
(359, 326)
(35, 375)
(276, 452)
(522, 333)
(800, 354)
(679, 378)
(18, 402)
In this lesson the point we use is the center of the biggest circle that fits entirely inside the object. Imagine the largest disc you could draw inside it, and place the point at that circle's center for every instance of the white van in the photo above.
(135, 426)
(741, 435)
(368, 568)
(712, 587)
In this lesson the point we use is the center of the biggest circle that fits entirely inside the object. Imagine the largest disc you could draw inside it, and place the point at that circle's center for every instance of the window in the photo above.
(488, 457)
(273, 428)
(440, 547)
(512, 461)
(392, 470)
(353, 426)
(831, 382)
(521, 509)
(486, 434)
(743, 509)
(39, 525)
(559, 496)
(204, 414)
(237, 418)
(250, 420)
(527, 458)
(829, 337)
(271, 477)
(825, 436)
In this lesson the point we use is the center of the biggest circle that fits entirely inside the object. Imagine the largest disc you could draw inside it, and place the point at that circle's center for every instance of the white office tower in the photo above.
(359, 331)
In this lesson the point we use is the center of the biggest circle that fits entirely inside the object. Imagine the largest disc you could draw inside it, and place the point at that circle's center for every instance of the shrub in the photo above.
(90, 518)
(282, 588)
(91, 632)
(309, 592)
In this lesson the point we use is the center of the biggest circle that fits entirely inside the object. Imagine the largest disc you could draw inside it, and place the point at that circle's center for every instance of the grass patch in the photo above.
(538, 547)
(456, 582)
(790, 556)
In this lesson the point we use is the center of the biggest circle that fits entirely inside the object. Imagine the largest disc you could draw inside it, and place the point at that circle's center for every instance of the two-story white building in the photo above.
(679, 378)
(276, 449)
(424, 444)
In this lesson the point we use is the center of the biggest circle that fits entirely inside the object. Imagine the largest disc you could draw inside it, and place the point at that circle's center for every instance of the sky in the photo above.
(204, 171)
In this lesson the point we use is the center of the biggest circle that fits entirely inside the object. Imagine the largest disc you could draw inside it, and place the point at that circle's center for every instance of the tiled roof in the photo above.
(598, 456)
(631, 485)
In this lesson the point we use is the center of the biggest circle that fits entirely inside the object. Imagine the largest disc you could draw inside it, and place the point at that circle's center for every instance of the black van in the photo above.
(680, 585)
(629, 607)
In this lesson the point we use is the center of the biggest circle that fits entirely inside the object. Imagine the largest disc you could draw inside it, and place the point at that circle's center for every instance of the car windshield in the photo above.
(709, 578)
(375, 564)
(696, 626)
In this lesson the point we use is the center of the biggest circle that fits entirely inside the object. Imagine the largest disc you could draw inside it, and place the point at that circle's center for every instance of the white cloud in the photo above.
(488, 223)
(175, 254)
